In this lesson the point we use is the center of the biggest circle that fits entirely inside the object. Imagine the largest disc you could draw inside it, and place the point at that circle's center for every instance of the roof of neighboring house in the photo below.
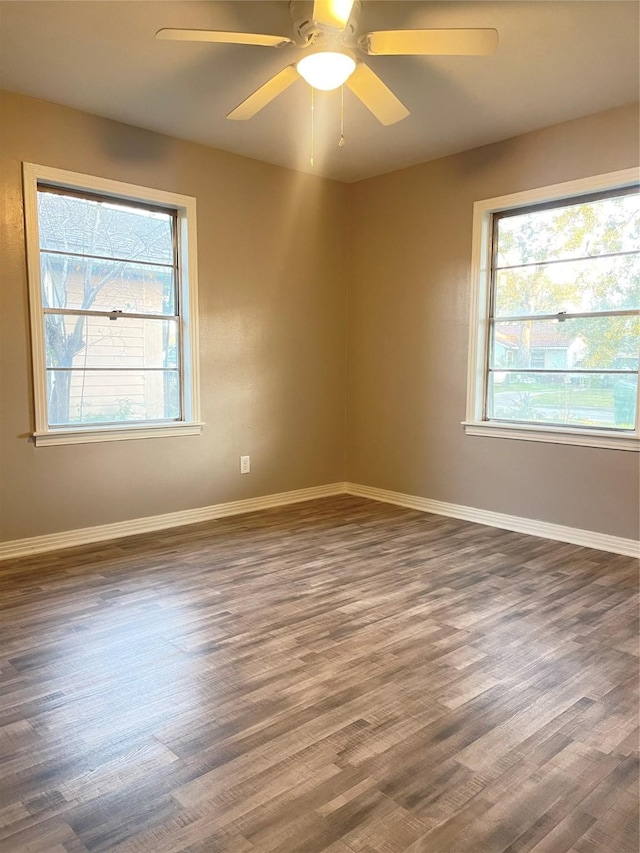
(544, 334)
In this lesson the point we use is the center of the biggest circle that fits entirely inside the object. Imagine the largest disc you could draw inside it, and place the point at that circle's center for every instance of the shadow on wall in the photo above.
(126, 143)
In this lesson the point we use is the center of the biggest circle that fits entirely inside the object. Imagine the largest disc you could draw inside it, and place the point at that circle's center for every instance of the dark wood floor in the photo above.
(338, 676)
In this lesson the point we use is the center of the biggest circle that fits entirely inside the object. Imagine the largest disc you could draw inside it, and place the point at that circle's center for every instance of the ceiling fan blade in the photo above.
(430, 42)
(376, 96)
(265, 94)
(332, 13)
(223, 37)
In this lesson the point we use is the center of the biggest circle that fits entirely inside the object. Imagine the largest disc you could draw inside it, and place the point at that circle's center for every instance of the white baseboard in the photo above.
(544, 529)
(103, 532)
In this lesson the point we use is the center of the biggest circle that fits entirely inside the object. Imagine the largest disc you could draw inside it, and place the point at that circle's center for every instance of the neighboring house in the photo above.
(543, 345)
(131, 344)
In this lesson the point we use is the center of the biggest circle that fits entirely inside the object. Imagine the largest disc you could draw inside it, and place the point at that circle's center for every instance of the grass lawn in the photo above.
(558, 395)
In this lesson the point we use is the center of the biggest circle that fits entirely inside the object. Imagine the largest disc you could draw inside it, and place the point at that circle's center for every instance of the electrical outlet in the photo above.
(245, 464)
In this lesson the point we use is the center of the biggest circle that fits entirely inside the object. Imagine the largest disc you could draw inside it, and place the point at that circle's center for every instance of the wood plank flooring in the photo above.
(339, 676)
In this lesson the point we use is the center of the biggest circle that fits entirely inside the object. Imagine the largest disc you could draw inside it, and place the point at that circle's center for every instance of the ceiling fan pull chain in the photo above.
(312, 124)
(341, 143)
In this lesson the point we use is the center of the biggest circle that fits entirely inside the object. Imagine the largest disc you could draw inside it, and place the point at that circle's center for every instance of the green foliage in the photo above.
(570, 234)
(125, 411)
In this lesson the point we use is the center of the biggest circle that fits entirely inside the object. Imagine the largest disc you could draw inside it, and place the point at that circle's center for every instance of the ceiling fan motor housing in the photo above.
(308, 32)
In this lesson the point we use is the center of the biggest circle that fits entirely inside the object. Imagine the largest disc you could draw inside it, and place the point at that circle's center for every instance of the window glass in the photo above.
(564, 326)
(70, 281)
(570, 230)
(112, 396)
(111, 323)
(577, 344)
(590, 284)
(106, 228)
(588, 400)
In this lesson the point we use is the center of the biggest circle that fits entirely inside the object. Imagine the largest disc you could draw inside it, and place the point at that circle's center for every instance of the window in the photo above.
(555, 327)
(113, 308)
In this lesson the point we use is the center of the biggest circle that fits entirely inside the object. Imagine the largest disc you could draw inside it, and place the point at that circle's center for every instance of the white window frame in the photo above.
(185, 208)
(474, 424)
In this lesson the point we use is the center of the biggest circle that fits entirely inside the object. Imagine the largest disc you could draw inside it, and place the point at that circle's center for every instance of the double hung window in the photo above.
(112, 294)
(556, 327)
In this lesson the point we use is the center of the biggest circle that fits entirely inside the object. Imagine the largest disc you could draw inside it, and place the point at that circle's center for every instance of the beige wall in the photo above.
(408, 330)
(277, 253)
(272, 290)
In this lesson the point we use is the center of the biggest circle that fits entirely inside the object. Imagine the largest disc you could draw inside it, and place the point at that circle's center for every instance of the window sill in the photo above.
(88, 435)
(555, 435)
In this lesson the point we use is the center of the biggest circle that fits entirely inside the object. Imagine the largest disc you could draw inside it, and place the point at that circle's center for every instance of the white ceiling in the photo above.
(556, 61)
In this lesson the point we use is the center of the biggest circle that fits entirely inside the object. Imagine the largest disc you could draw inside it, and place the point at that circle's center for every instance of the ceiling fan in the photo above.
(327, 31)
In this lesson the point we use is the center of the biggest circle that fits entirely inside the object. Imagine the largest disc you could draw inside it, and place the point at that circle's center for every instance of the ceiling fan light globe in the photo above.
(327, 69)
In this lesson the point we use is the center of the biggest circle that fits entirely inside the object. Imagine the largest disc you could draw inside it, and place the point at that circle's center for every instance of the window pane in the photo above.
(575, 230)
(111, 229)
(71, 282)
(112, 396)
(84, 341)
(599, 284)
(589, 342)
(599, 401)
